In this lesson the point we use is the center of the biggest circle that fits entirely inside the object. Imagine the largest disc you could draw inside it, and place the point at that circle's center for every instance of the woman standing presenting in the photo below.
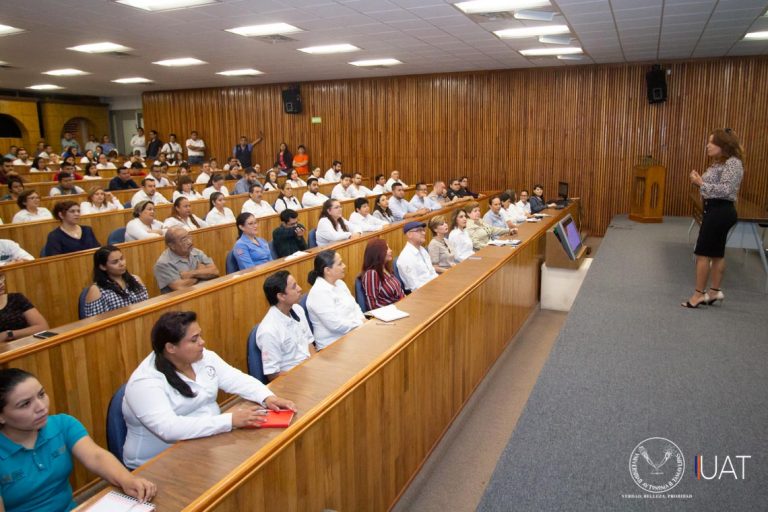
(719, 187)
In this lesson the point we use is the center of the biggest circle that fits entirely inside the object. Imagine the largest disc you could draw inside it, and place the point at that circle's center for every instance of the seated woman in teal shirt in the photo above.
(250, 250)
(36, 451)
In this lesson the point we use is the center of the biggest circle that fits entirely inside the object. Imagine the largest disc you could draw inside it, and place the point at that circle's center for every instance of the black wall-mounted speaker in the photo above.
(292, 100)
(656, 81)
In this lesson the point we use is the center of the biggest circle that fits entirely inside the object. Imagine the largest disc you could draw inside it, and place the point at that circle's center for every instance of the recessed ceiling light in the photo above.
(566, 39)
(164, 5)
(240, 72)
(376, 62)
(7, 30)
(104, 47)
(756, 35)
(512, 33)
(44, 87)
(330, 48)
(534, 15)
(265, 30)
(475, 6)
(570, 57)
(133, 80)
(551, 51)
(65, 72)
(183, 61)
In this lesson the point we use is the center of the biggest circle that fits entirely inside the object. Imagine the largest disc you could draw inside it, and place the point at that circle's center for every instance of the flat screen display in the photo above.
(572, 236)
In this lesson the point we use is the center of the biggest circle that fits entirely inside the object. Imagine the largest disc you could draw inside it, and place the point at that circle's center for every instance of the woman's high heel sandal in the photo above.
(687, 304)
(719, 296)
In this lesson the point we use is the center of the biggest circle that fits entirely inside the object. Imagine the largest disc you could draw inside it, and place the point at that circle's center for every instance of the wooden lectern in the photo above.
(648, 193)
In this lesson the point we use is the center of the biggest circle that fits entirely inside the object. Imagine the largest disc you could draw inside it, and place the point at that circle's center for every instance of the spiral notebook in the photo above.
(116, 502)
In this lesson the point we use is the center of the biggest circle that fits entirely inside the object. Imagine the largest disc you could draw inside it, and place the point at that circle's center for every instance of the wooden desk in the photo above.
(372, 405)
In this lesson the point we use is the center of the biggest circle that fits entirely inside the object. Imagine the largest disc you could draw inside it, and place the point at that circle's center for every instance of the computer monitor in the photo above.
(572, 237)
(562, 191)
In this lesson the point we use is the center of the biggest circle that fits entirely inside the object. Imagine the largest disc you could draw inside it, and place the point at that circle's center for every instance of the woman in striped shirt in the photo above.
(380, 285)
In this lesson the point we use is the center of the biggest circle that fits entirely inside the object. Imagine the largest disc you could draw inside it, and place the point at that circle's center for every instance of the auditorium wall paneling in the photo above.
(587, 125)
(56, 114)
(24, 112)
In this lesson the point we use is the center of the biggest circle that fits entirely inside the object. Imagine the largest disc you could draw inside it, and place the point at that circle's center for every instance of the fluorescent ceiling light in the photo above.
(104, 47)
(164, 5)
(756, 35)
(376, 62)
(265, 30)
(550, 51)
(65, 72)
(133, 80)
(240, 72)
(476, 6)
(555, 39)
(44, 87)
(570, 57)
(512, 33)
(535, 15)
(183, 61)
(7, 30)
(330, 48)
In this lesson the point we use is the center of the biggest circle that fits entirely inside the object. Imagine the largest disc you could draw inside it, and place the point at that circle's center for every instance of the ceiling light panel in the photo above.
(66, 72)
(164, 5)
(514, 33)
(7, 30)
(180, 62)
(330, 48)
(376, 62)
(240, 72)
(534, 15)
(44, 87)
(133, 80)
(756, 36)
(265, 30)
(532, 52)
(481, 6)
(105, 47)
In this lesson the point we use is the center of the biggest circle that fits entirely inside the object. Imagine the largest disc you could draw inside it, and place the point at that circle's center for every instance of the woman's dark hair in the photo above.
(323, 260)
(215, 179)
(728, 143)
(62, 207)
(275, 284)
(22, 199)
(102, 279)
(377, 207)
(140, 207)
(88, 167)
(213, 198)
(36, 163)
(12, 180)
(455, 216)
(268, 179)
(471, 206)
(378, 177)
(175, 213)
(464, 178)
(335, 223)
(360, 202)
(511, 195)
(9, 379)
(183, 180)
(375, 257)
(241, 220)
(171, 328)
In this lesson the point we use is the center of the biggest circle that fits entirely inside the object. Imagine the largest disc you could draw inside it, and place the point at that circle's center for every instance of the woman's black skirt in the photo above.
(719, 218)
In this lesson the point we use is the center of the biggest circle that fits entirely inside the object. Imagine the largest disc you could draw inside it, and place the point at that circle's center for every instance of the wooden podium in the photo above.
(648, 193)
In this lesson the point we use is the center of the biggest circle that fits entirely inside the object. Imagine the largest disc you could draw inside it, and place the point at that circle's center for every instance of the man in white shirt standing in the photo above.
(344, 189)
(148, 192)
(394, 178)
(139, 143)
(284, 336)
(333, 175)
(357, 188)
(421, 200)
(313, 197)
(413, 264)
(205, 174)
(172, 147)
(256, 205)
(195, 149)
(400, 208)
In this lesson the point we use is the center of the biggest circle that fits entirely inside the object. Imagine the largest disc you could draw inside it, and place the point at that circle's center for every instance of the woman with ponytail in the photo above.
(171, 396)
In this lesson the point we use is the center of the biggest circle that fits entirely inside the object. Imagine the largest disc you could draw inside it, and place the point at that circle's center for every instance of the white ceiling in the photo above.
(427, 35)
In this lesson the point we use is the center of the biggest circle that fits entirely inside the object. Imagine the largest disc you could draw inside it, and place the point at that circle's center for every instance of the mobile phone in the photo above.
(45, 334)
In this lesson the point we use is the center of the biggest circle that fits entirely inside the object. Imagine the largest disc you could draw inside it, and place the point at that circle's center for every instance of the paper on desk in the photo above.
(502, 243)
(388, 313)
(297, 254)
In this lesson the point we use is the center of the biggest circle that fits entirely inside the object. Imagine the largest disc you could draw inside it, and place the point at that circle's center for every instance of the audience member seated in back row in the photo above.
(255, 204)
(122, 181)
(496, 216)
(295, 180)
(286, 199)
(243, 186)
(513, 210)
(422, 201)
(250, 250)
(459, 237)
(113, 286)
(144, 225)
(331, 227)
(99, 201)
(172, 395)
(181, 265)
(414, 264)
(439, 194)
(148, 192)
(217, 184)
(185, 187)
(181, 215)
(284, 336)
(333, 174)
(343, 190)
(381, 209)
(219, 214)
(289, 236)
(270, 181)
(400, 207)
(524, 204)
(18, 317)
(479, 232)
(31, 211)
(394, 177)
(357, 187)
(333, 311)
(66, 185)
(380, 285)
(538, 203)
(456, 191)
(37, 449)
(362, 219)
(70, 236)
(440, 250)
(313, 196)
(11, 252)
(379, 185)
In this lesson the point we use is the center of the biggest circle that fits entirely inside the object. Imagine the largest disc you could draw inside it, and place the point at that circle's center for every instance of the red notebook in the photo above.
(278, 419)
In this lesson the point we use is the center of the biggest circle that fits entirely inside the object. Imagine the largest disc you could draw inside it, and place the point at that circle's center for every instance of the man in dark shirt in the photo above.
(122, 181)
(154, 145)
(289, 237)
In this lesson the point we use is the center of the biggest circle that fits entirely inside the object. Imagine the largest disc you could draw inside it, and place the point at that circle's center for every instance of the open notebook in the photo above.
(115, 502)
(387, 313)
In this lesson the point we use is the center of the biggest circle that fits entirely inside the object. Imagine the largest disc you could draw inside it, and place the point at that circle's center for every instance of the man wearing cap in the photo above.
(413, 264)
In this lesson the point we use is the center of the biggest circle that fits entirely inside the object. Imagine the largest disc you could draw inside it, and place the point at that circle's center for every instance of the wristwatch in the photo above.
(9, 333)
